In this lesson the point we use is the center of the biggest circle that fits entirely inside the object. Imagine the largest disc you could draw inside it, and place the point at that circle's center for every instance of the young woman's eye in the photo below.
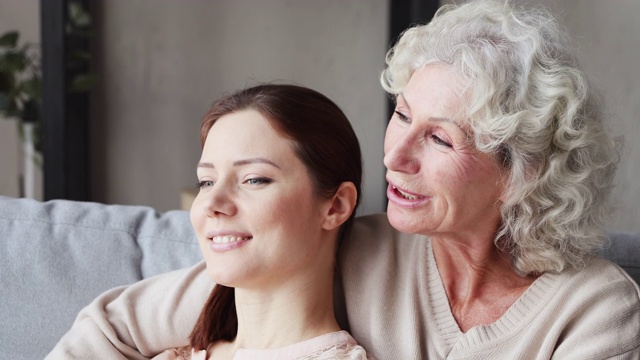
(204, 184)
(402, 117)
(439, 141)
(258, 181)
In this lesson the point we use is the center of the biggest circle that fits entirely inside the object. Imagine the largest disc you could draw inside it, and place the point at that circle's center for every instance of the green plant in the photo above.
(20, 81)
(21, 76)
(78, 30)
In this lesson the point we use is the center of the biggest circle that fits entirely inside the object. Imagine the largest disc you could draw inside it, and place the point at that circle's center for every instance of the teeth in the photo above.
(405, 195)
(227, 239)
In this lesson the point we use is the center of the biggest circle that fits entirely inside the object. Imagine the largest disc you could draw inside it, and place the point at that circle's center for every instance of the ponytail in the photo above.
(218, 319)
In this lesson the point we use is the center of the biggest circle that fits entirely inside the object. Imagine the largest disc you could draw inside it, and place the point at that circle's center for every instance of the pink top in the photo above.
(335, 345)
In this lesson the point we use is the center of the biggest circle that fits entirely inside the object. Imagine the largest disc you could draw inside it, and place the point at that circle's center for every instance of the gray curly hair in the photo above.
(529, 107)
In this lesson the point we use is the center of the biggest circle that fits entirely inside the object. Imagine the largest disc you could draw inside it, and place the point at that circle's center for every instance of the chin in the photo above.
(398, 219)
(220, 275)
(220, 279)
(409, 222)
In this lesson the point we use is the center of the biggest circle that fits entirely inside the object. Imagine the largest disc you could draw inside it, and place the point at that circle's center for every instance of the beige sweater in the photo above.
(392, 300)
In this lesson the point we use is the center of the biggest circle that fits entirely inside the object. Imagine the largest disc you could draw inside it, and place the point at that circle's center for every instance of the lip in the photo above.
(228, 246)
(223, 232)
(399, 200)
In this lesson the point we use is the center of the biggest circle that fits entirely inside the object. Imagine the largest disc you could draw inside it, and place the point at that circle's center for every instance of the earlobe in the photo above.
(342, 204)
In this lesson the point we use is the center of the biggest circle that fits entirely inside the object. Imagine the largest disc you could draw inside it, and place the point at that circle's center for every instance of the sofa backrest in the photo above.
(56, 257)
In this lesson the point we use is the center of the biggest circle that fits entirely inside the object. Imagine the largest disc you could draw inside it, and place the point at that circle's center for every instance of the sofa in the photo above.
(57, 256)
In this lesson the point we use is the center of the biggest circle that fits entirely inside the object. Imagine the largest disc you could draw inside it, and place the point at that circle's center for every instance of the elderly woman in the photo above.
(499, 169)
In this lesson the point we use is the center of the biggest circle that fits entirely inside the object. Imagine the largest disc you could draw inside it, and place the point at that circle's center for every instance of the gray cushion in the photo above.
(58, 256)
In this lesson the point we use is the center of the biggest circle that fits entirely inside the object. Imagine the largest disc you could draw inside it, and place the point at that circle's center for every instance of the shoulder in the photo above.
(602, 310)
(603, 276)
(602, 285)
(374, 242)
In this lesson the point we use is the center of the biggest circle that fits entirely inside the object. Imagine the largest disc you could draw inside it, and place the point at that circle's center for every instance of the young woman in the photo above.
(279, 180)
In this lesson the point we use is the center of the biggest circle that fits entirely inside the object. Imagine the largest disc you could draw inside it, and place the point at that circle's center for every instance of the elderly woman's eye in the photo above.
(439, 141)
(204, 184)
(402, 116)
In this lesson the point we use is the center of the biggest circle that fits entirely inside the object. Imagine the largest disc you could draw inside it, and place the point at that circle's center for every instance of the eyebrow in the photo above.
(242, 163)
(433, 118)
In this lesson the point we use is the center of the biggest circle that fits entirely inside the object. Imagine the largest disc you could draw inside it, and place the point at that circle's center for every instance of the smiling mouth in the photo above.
(405, 195)
(229, 239)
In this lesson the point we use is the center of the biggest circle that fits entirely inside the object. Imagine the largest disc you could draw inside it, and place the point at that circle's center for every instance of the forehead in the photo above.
(245, 132)
(435, 91)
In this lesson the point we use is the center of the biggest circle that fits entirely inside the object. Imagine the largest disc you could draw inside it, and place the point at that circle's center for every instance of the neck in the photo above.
(466, 267)
(478, 278)
(296, 311)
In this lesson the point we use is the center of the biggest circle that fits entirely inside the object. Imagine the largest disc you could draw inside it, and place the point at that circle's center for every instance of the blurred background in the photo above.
(124, 84)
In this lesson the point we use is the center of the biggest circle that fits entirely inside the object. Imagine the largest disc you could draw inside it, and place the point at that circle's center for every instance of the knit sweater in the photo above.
(393, 291)
(390, 297)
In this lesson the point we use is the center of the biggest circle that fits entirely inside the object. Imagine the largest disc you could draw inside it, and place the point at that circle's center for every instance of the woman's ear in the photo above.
(342, 204)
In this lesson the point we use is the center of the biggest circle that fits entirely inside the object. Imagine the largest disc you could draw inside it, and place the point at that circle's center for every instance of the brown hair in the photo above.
(325, 142)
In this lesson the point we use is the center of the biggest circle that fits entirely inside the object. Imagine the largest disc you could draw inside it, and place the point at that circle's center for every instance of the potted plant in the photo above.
(20, 84)
(20, 99)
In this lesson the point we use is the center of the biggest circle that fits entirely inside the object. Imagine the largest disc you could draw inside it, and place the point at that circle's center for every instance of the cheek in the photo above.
(296, 214)
(454, 175)
(471, 176)
(292, 209)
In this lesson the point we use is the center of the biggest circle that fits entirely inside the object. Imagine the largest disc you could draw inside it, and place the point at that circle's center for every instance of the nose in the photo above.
(400, 153)
(218, 201)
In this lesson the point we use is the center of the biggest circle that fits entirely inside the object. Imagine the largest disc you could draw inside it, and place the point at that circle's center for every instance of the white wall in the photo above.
(162, 62)
(24, 16)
